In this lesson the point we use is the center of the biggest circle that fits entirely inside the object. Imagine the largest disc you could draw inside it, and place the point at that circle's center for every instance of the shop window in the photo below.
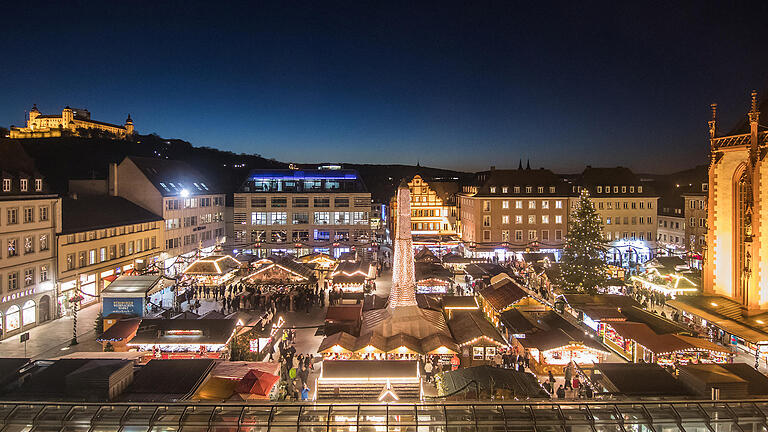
(478, 353)
(28, 313)
(12, 318)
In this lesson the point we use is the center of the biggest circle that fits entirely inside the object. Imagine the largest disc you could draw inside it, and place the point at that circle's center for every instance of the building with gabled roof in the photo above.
(71, 122)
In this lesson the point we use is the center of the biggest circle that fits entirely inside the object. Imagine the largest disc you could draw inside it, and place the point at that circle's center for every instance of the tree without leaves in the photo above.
(583, 268)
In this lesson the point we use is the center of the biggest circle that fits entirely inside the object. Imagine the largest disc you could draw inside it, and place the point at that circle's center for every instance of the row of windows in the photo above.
(23, 185)
(28, 214)
(108, 253)
(188, 221)
(282, 236)
(178, 204)
(616, 189)
(519, 204)
(26, 278)
(429, 226)
(634, 205)
(192, 239)
(517, 189)
(109, 232)
(702, 204)
(631, 235)
(672, 239)
(702, 222)
(16, 317)
(674, 225)
(634, 220)
(531, 219)
(323, 202)
(425, 213)
(533, 235)
(29, 244)
(297, 218)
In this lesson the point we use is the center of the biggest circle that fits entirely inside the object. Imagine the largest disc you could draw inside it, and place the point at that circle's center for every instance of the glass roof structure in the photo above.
(684, 416)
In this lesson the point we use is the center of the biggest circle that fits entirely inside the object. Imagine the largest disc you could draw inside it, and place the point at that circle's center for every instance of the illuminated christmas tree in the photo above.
(583, 268)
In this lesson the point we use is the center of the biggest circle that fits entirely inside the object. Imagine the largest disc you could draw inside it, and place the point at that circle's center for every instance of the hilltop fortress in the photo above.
(71, 122)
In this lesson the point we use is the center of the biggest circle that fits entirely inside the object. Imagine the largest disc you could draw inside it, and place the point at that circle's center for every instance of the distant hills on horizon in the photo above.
(64, 158)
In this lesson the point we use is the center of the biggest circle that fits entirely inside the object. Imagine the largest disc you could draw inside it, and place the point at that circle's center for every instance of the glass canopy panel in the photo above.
(489, 415)
(81, 415)
(225, 418)
(110, 415)
(430, 415)
(633, 414)
(53, 415)
(139, 415)
(547, 414)
(169, 416)
(401, 415)
(375, 415)
(255, 418)
(284, 415)
(661, 413)
(197, 416)
(575, 414)
(317, 415)
(746, 411)
(23, 414)
(459, 415)
(604, 414)
(717, 411)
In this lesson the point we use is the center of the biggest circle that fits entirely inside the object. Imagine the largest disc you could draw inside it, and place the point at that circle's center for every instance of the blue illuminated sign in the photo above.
(125, 306)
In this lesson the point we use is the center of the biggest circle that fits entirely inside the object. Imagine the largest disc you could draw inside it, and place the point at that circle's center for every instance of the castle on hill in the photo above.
(71, 122)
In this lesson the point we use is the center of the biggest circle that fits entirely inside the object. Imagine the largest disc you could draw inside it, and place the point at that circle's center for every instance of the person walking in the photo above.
(428, 370)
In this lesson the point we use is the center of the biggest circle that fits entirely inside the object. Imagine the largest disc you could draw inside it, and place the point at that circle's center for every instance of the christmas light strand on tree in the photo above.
(583, 267)
(403, 292)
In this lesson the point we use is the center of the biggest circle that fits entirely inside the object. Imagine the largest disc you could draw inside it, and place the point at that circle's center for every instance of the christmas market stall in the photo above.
(552, 342)
(504, 293)
(432, 278)
(637, 342)
(457, 263)
(318, 261)
(478, 339)
(425, 255)
(353, 276)
(255, 380)
(184, 338)
(338, 346)
(213, 270)
(280, 271)
(452, 304)
(136, 295)
(486, 382)
(372, 381)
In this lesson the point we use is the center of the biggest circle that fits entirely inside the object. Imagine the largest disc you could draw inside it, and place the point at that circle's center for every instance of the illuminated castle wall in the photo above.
(736, 263)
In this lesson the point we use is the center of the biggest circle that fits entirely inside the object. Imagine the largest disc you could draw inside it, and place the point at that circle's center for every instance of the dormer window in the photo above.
(517, 189)
(528, 189)
(639, 189)
(623, 189)
(6, 185)
(541, 189)
(23, 185)
(504, 189)
(599, 189)
(551, 189)
(607, 189)
(493, 189)
(704, 187)
(615, 189)
(38, 185)
(631, 189)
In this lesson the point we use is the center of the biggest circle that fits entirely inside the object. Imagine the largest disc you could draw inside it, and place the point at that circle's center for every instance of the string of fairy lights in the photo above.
(582, 264)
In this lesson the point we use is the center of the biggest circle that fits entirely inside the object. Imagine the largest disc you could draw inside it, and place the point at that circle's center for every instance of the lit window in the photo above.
(23, 184)
(38, 185)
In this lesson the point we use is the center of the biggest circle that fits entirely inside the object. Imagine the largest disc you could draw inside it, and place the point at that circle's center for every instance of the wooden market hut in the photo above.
(213, 270)
(432, 278)
(340, 343)
(353, 276)
(504, 293)
(280, 270)
(477, 338)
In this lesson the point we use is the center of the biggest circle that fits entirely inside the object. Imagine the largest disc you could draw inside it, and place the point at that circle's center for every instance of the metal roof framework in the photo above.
(594, 416)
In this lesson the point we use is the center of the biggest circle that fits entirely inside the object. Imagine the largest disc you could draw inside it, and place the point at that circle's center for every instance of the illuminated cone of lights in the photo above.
(403, 291)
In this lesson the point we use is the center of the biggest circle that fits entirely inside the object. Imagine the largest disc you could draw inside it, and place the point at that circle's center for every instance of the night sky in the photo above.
(453, 85)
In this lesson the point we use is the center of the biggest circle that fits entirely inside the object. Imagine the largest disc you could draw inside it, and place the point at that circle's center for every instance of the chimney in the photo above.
(112, 185)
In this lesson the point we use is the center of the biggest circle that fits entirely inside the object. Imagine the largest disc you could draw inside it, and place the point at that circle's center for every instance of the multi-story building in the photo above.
(509, 211)
(695, 213)
(302, 211)
(191, 206)
(670, 238)
(102, 237)
(28, 220)
(627, 207)
(72, 121)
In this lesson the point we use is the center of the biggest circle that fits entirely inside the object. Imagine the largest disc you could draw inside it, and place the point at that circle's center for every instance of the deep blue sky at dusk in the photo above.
(454, 85)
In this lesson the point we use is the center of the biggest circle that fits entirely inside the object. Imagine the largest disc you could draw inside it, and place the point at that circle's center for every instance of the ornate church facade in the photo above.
(736, 253)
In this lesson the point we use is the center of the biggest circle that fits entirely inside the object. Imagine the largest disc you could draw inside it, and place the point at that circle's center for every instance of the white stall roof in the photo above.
(134, 286)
